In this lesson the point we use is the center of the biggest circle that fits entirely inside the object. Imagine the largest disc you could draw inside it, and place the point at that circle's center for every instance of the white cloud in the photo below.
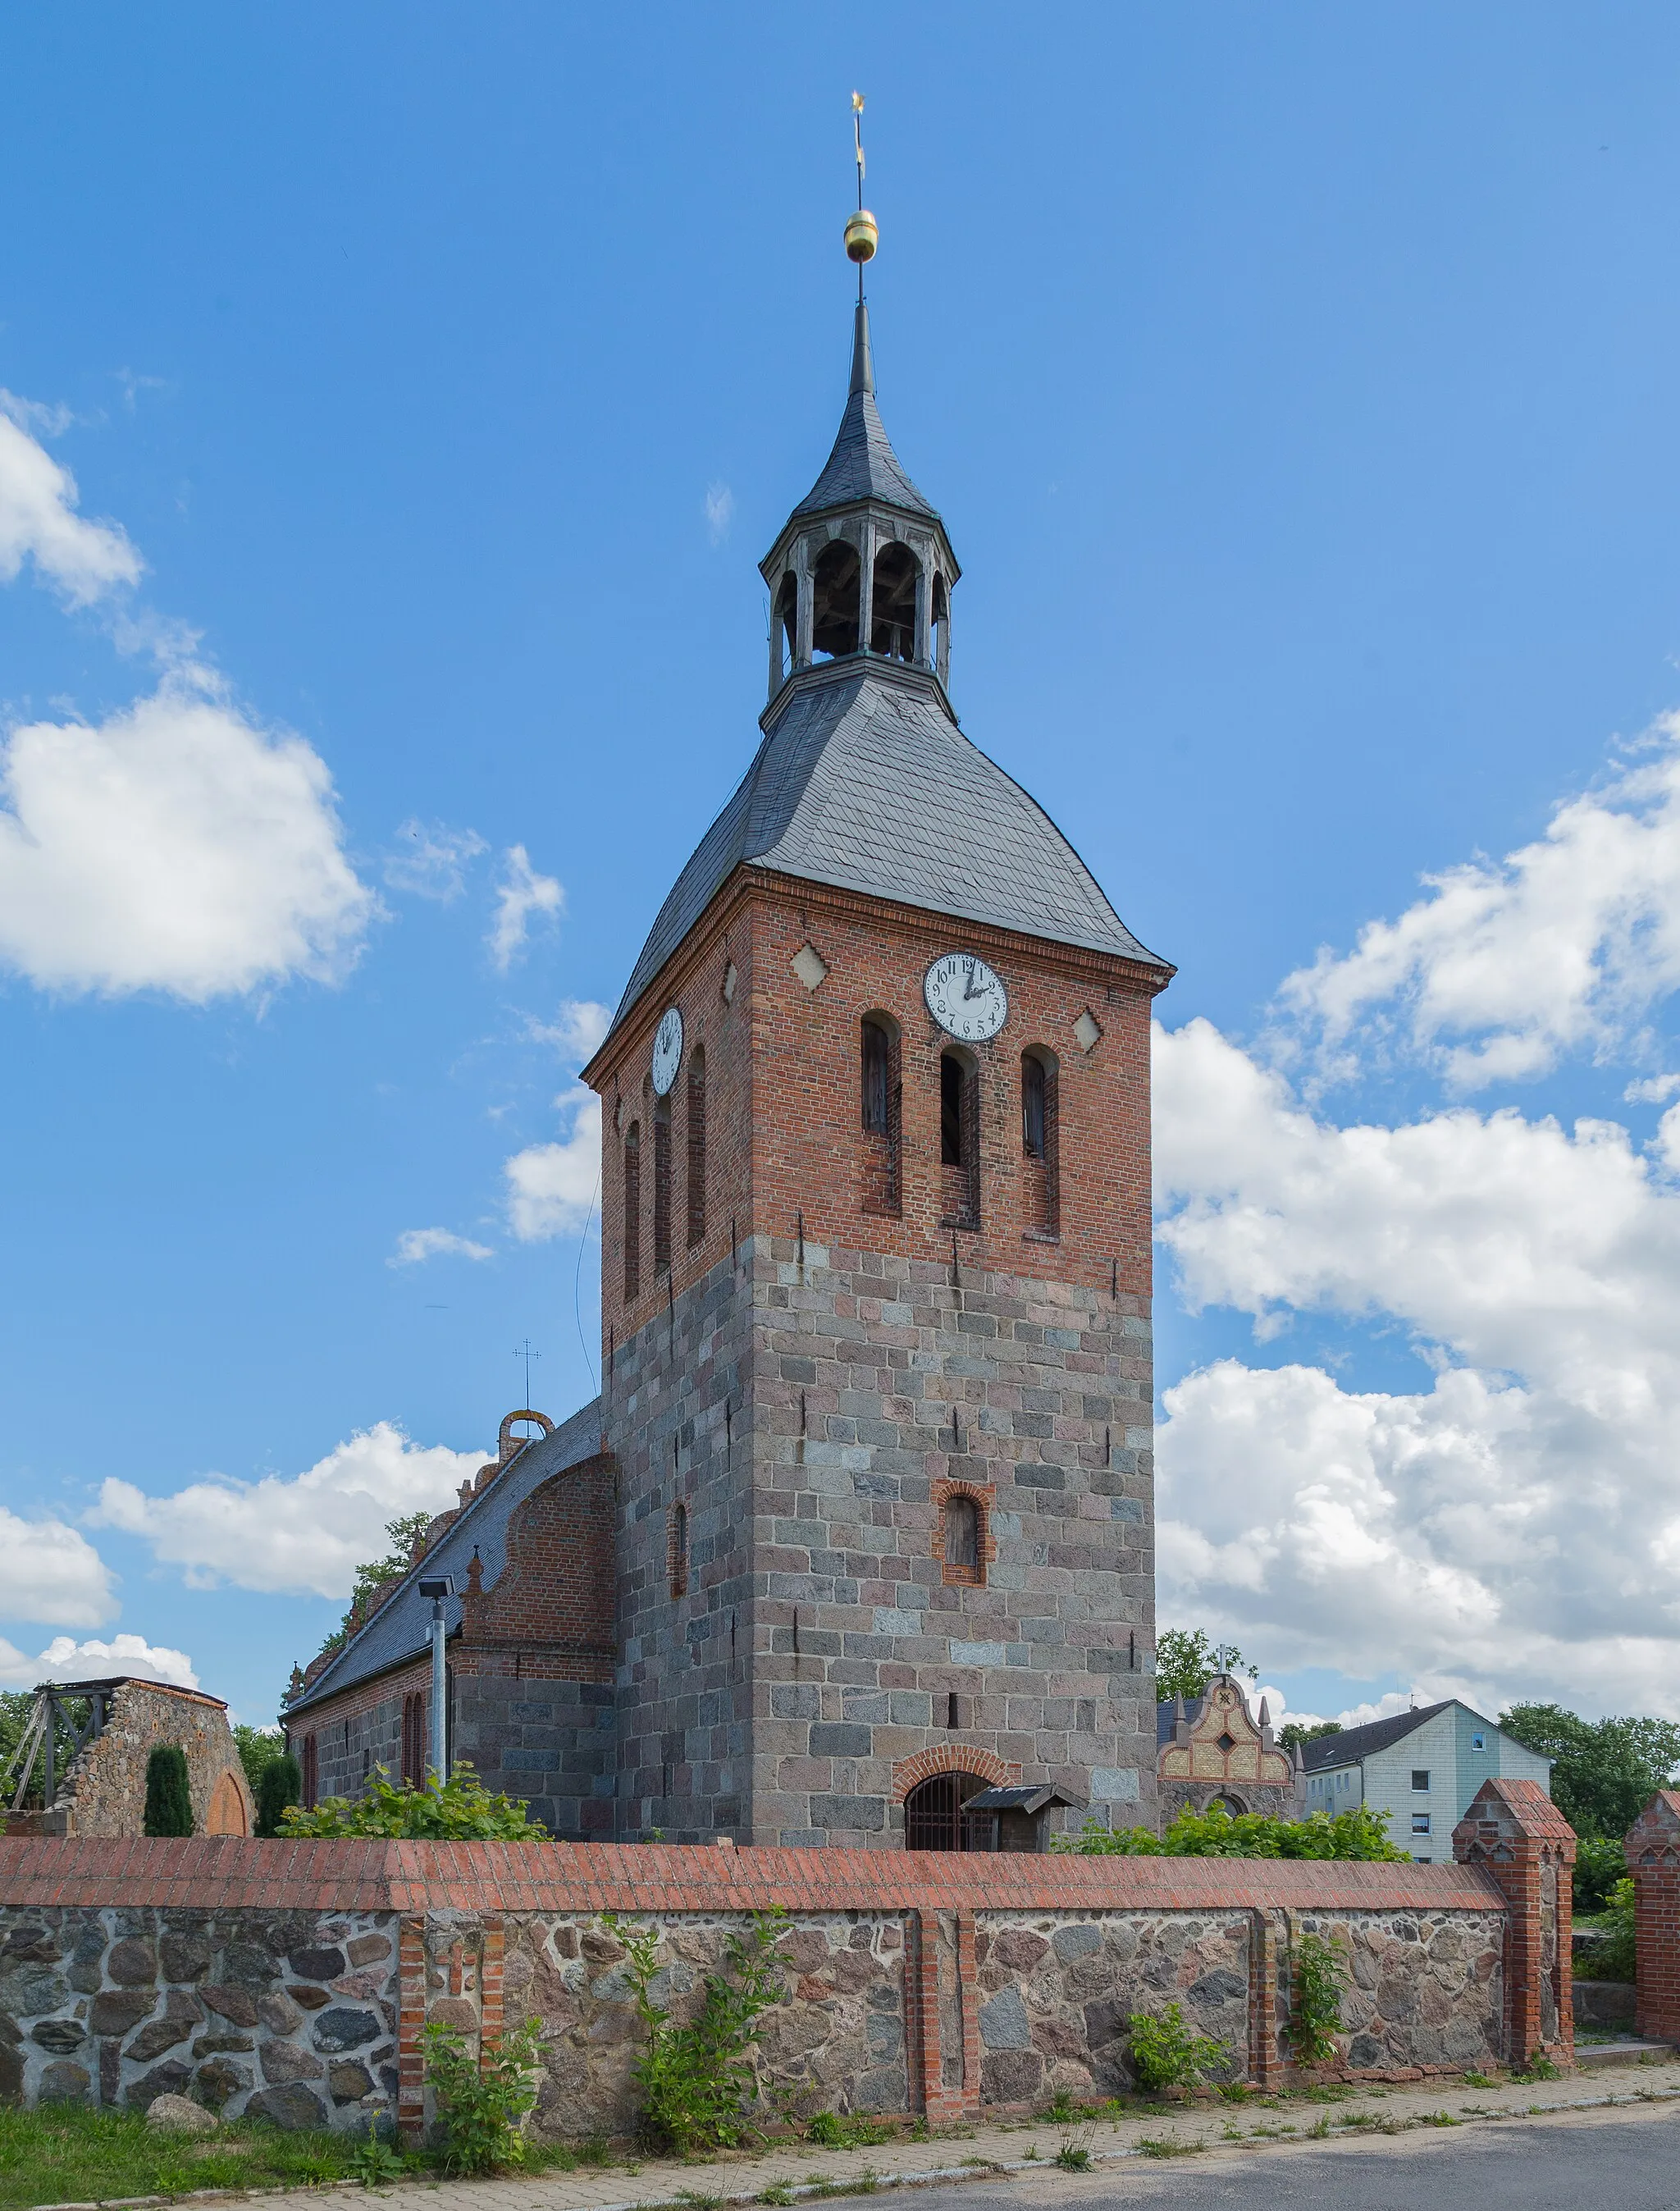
(552, 1188)
(63, 1660)
(576, 1030)
(432, 860)
(720, 509)
(306, 1533)
(1563, 945)
(37, 518)
(521, 893)
(1514, 1525)
(49, 1572)
(175, 847)
(415, 1244)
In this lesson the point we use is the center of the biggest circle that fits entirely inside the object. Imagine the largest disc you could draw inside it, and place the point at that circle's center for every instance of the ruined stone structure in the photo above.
(1212, 1749)
(104, 1790)
(862, 1522)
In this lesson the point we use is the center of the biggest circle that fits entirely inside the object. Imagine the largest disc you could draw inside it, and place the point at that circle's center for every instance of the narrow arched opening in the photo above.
(835, 584)
(632, 1211)
(892, 605)
(934, 1818)
(784, 631)
(939, 621)
(959, 1140)
(1040, 1143)
(697, 1147)
(882, 1098)
(963, 1542)
(678, 1559)
(662, 1184)
(413, 1740)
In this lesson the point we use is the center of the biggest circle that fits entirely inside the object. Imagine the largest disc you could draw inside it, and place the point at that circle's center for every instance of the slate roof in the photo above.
(1166, 1713)
(1352, 1744)
(864, 781)
(863, 464)
(402, 1628)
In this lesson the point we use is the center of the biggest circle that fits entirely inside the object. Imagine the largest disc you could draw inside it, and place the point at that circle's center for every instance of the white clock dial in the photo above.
(667, 1052)
(965, 997)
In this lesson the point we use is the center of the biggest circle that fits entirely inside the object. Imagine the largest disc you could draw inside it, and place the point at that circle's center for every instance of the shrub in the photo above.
(1600, 1862)
(1614, 1958)
(1216, 1833)
(696, 2080)
(168, 1797)
(1315, 2012)
(1168, 2053)
(281, 1786)
(460, 1810)
(481, 2102)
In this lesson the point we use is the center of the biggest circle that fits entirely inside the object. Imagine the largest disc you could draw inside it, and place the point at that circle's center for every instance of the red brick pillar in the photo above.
(1514, 1832)
(1653, 1849)
(411, 2020)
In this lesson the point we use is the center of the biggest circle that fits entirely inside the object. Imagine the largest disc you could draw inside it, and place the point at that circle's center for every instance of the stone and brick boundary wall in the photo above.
(293, 1980)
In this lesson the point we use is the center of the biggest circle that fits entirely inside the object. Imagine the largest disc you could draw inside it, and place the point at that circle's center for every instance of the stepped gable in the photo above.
(401, 1629)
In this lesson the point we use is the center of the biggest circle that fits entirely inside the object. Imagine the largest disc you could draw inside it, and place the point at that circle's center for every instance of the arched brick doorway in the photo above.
(934, 1818)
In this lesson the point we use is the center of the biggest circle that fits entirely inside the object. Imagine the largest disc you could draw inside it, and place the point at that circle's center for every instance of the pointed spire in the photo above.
(863, 365)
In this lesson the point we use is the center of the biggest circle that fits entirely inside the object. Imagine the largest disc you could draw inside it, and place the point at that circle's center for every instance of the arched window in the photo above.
(697, 1147)
(934, 1818)
(835, 583)
(963, 1543)
(959, 1140)
(679, 1549)
(882, 1098)
(784, 631)
(312, 1766)
(941, 628)
(632, 1211)
(1041, 1179)
(413, 1740)
(892, 613)
(662, 1184)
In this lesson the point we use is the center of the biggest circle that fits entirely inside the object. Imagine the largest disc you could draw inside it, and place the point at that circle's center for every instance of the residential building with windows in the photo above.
(1420, 1767)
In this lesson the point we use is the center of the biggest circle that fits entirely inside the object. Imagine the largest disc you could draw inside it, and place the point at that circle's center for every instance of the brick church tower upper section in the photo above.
(884, 998)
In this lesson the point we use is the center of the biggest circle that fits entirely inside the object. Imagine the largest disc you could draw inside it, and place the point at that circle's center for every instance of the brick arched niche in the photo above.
(951, 1758)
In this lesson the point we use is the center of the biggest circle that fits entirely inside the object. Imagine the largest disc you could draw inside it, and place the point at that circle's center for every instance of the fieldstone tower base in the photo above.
(808, 1411)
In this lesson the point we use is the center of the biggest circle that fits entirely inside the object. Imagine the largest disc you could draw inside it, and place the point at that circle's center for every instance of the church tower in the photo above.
(876, 1254)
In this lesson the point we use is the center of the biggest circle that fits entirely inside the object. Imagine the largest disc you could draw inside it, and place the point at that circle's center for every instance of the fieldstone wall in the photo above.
(288, 2016)
(299, 1986)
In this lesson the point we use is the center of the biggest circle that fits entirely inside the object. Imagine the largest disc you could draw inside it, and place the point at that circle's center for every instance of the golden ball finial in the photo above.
(861, 236)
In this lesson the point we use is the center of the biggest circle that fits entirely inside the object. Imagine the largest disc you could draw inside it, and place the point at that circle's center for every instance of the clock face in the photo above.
(667, 1052)
(965, 997)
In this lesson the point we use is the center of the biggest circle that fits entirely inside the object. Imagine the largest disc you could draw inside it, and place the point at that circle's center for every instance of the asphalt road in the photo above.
(1624, 2160)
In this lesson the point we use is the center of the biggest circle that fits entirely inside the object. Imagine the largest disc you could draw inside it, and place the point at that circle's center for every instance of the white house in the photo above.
(1421, 1767)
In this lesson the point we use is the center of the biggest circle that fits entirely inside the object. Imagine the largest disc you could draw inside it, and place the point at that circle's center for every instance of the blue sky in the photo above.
(400, 401)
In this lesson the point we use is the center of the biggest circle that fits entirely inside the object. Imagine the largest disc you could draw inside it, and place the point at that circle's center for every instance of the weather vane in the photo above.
(861, 235)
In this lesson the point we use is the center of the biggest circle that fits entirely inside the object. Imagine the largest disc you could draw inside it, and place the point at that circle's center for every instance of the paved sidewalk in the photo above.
(798, 2170)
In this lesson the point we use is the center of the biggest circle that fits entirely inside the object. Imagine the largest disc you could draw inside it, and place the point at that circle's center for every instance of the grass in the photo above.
(779, 2191)
(65, 2154)
(1163, 2145)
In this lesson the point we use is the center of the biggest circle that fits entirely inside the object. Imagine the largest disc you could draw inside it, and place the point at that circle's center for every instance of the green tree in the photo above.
(378, 1574)
(168, 1798)
(280, 1787)
(1300, 1731)
(258, 1747)
(1218, 1833)
(17, 1709)
(458, 1810)
(1604, 1772)
(1186, 1661)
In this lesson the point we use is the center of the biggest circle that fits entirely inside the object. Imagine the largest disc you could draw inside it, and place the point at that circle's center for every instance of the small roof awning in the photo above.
(1032, 1797)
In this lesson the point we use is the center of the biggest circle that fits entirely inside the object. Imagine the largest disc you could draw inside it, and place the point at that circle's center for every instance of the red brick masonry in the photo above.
(217, 1873)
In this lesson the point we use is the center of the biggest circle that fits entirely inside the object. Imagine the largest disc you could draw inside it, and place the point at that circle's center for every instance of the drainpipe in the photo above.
(438, 1587)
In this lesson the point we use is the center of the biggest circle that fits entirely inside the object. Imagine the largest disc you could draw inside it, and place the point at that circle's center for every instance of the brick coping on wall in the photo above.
(225, 1872)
